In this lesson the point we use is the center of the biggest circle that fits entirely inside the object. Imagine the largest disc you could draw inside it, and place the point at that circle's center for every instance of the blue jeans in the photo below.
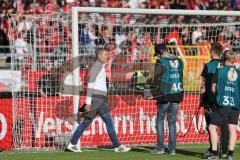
(172, 110)
(102, 109)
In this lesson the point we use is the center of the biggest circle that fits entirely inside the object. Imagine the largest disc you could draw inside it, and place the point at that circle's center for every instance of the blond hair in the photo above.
(228, 56)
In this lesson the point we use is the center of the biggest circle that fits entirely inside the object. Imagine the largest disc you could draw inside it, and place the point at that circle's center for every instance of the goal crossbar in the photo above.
(155, 11)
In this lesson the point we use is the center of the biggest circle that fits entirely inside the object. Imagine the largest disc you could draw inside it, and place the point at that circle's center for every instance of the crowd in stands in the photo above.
(183, 35)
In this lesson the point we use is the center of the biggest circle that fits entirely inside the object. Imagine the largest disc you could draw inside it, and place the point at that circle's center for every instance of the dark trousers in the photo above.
(208, 111)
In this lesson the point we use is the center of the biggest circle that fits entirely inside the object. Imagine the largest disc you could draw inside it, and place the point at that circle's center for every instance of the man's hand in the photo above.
(88, 107)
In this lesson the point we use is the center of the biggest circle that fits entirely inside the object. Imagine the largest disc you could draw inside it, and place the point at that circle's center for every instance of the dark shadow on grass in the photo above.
(141, 150)
(184, 152)
(189, 153)
(105, 147)
(133, 149)
(149, 147)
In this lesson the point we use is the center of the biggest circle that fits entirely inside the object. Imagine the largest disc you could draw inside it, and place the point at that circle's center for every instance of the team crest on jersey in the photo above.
(232, 74)
(219, 65)
(174, 63)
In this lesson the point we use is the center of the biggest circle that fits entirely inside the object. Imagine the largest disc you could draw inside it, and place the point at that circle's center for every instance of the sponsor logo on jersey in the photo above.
(219, 65)
(232, 75)
(174, 63)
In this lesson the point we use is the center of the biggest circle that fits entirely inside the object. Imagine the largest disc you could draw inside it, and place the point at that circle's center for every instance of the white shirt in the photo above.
(196, 34)
(134, 3)
(97, 81)
(24, 26)
(21, 48)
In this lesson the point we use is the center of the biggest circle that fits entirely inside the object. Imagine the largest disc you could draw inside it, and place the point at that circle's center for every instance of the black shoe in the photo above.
(212, 156)
(207, 154)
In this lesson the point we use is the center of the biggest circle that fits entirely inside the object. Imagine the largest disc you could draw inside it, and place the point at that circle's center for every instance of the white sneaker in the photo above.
(72, 148)
(122, 148)
(229, 157)
(156, 151)
(172, 153)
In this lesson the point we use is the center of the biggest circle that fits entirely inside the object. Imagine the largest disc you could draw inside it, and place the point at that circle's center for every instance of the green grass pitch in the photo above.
(184, 152)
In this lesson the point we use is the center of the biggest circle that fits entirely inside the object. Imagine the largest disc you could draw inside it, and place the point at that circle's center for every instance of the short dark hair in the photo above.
(99, 51)
(109, 46)
(159, 48)
(216, 48)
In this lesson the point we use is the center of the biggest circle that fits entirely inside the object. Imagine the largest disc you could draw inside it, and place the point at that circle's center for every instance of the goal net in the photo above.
(55, 52)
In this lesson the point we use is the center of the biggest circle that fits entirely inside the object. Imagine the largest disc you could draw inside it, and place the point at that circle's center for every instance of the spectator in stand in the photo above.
(197, 35)
(133, 3)
(238, 6)
(173, 37)
(3, 41)
(40, 7)
(185, 35)
(234, 3)
(160, 19)
(132, 38)
(7, 7)
(192, 5)
(29, 9)
(140, 77)
(84, 3)
(55, 40)
(202, 5)
(24, 25)
(47, 83)
(21, 46)
(125, 48)
(69, 4)
(51, 7)
(236, 40)
(20, 7)
(4, 25)
(100, 41)
(158, 39)
(177, 4)
(125, 4)
(120, 36)
(86, 36)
